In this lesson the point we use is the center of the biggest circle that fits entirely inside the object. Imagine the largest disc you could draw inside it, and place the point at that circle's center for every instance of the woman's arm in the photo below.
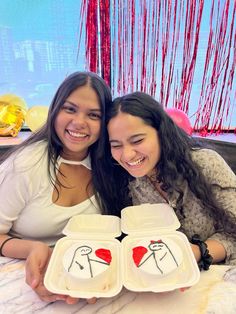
(37, 255)
(216, 250)
(18, 248)
(221, 244)
(15, 193)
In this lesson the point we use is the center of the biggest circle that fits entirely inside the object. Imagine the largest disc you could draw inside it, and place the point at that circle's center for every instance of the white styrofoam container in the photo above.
(146, 221)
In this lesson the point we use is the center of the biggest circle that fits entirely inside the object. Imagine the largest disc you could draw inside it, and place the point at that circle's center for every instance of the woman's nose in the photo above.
(128, 153)
(79, 119)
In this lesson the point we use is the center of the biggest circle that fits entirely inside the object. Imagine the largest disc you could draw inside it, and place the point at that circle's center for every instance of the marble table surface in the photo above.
(214, 293)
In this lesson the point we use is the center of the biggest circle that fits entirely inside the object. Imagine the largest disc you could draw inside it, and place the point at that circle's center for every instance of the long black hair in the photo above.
(48, 133)
(174, 166)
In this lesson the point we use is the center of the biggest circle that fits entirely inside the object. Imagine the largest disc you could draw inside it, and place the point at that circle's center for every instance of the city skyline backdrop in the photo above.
(39, 48)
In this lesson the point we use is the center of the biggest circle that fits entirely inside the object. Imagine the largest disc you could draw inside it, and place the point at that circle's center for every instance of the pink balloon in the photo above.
(180, 118)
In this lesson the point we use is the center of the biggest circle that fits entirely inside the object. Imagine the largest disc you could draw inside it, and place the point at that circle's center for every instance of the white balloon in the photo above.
(36, 116)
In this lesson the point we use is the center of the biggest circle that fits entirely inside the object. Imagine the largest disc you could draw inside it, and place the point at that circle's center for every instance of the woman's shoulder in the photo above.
(27, 156)
(203, 156)
(200, 155)
(213, 166)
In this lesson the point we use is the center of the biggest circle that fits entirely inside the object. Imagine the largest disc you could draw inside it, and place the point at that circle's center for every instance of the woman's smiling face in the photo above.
(134, 144)
(78, 122)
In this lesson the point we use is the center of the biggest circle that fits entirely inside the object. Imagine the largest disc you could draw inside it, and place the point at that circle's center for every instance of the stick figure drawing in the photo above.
(163, 257)
(86, 261)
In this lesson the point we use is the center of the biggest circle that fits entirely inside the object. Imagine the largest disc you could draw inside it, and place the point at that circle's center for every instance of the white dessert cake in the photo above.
(157, 257)
(86, 263)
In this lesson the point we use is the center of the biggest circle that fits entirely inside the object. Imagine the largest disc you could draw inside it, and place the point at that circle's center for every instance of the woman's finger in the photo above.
(92, 300)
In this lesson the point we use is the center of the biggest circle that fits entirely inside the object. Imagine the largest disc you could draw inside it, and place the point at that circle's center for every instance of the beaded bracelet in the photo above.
(206, 258)
(4, 242)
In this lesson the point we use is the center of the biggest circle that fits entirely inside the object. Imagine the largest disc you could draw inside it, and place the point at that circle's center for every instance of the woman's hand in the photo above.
(36, 266)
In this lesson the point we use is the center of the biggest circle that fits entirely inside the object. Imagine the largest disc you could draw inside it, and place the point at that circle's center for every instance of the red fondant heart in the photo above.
(104, 254)
(138, 253)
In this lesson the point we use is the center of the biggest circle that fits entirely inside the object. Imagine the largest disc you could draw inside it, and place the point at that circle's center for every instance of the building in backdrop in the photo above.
(181, 52)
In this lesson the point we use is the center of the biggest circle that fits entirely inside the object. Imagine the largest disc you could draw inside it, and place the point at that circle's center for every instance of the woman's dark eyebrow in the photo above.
(136, 135)
(71, 103)
(97, 110)
(130, 138)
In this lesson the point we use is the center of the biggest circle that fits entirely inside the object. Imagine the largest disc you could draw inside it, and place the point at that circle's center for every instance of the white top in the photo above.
(26, 207)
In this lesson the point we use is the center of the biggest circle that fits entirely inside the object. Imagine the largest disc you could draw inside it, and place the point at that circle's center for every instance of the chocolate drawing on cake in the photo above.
(84, 257)
(160, 257)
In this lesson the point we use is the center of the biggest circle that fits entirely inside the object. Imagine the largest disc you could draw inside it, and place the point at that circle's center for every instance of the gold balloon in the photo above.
(36, 116)
(12, 114)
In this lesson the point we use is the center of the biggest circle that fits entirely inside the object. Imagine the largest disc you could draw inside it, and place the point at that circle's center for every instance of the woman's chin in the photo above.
(137, 173)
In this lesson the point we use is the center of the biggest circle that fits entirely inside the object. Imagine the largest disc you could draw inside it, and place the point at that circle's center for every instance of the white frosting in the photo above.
(86, 260)
(157, 256)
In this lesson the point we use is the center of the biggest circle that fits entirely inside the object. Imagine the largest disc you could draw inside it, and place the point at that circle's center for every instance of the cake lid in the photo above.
(93, 225)
(148, 218)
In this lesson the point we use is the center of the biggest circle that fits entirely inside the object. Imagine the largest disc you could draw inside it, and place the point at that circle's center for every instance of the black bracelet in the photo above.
(206, 258)
(4, 242)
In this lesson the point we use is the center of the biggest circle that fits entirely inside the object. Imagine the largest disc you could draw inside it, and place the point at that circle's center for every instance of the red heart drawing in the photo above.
(138, 253)
(104, 254)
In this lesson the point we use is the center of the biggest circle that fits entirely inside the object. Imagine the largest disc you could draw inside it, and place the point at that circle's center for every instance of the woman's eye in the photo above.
(69, 109)
(137, 141)
(115, 146)
(94, 116)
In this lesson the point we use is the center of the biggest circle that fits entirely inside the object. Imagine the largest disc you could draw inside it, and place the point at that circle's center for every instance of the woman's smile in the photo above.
(77, 135)
(134, 144)
(137, 162)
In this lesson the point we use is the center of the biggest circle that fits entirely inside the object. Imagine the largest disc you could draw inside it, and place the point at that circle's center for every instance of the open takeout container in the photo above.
(146, 222)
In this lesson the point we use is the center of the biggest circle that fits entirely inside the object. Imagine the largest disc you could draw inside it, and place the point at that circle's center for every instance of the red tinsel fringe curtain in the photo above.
(89, 17)
(215, 104)
(105, 43)
(95, 14)
(156, 46)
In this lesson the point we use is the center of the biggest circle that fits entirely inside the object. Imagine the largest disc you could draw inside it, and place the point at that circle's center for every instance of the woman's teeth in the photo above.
(136, 162)
(76, 134)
